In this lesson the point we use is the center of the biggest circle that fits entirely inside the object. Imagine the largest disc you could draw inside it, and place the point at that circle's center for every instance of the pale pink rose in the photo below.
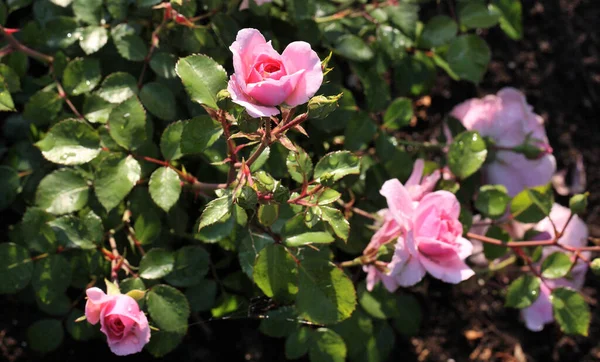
(246, 3)
(508, 120)
(121, 320)
(264, 79)
(417, 186)
(427, 231)
(576, 234)
(433, 243)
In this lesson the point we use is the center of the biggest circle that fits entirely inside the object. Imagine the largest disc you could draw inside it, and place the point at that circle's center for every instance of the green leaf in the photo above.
(156, 263)
(359, 131)
(379, 303)
(62, 192)
(325, 294)
(170, 141)
(202, 78)
(268, 214)
(276, 273)
(115, 177)
(11, 78)
(280, 322)
(523, 292)
(570, 311)
(404, 15)
(163, 64)
(366, 339)
(468, 57)
(353, 48)
(73, 232)
(216, 210)
(492, 200)
(43, 107)
(168, 308)
(81, 76)
(439, 30)
(297, 343)
(6, 101)
(70, 142)
(311, 237)
(337, 165)
(556, 265)
(127, 124)
(93, 38)
(163, 342)
(147, 226)
(51, 277)
(398, 114)
(89, 11)
(327, 196)
(299, 165)
(337, 221)
(326, 346)
(36, 233)
(532, 205)
(301, 9)
(80, 331)
(118, 87)
(45, 335)
(16, 268)
(10, 186)
(476, 14)
(129, 284)
(61, 32)
(191, 266)
(249, 248)
(511, 17)
(131, 47)
(96, 109)
(165, 187)
(578, 203)
(393, 42)
(199, 133)
(159, 100)
(467, 154)
(202, 296)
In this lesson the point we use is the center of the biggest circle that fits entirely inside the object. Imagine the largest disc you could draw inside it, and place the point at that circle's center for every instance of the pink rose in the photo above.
(264, 79)
(508, 120)
(427, 232)
(433, 243)
(576, 234)
(125, 326)
(246, 3)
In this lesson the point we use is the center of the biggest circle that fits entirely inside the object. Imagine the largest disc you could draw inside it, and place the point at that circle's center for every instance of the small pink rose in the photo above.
(246, 3)
(434, 244)
(264, 79)
(121, 320)
(509, 120)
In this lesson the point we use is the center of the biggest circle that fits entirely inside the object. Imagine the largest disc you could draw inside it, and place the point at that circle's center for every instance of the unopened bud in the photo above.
(224, 99)
(595, 266)
(578, 203)
(533, 149)
(320, 107)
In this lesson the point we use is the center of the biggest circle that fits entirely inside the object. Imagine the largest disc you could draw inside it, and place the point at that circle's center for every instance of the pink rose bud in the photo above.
(246, 3)
(508, 120)
(121, 320)
(264, 79)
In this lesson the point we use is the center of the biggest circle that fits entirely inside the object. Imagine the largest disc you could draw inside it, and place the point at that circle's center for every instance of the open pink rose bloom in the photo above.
(264, 79)
(576, 234)
(508, 120)
(121, 320)
(427, 232)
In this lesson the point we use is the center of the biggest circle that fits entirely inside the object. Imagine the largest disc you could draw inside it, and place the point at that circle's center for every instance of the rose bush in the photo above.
(167, 148)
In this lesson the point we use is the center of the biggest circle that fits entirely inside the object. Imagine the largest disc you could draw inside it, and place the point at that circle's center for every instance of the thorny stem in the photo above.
(115, 260)
(154, 44)
(16, 45)
(264, 143)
